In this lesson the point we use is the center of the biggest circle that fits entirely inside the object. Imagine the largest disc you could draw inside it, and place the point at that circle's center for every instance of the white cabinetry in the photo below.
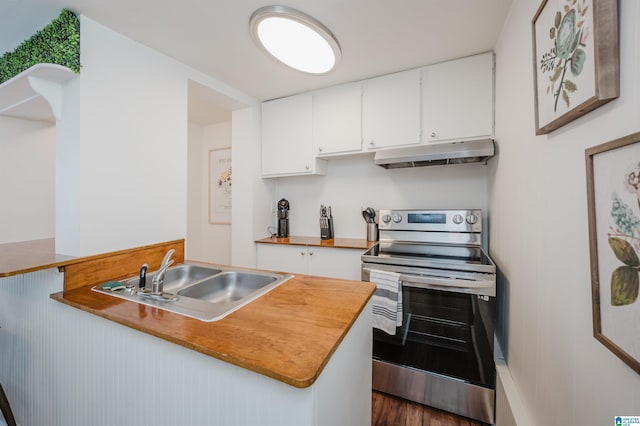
(457, 99)
(335, 263)
(391, 110)
(287, 138)
(337, 119)
(450, 101)
(311, 260)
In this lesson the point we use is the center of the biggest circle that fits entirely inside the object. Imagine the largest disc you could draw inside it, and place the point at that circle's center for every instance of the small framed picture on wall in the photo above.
(575, 59)
(613, 207)
(220, 186)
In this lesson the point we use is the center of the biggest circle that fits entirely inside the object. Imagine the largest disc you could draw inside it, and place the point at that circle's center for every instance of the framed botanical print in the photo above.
(575, 59)
(613, 198)
(220, 186)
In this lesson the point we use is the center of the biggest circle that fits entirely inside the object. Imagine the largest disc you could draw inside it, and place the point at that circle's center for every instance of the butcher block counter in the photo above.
(344, 243)
(288, 334)
(29, 256)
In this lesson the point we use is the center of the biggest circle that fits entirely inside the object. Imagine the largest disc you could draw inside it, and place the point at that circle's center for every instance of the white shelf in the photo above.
(36, 93)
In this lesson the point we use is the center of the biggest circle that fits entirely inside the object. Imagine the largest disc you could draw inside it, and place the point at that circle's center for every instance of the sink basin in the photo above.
(180, 276)
(203, 292)
(228, 287)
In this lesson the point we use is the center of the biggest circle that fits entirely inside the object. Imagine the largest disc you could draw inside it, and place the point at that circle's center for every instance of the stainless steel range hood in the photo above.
(435, 154)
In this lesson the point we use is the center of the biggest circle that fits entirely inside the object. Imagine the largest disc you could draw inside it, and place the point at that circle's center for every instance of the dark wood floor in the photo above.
(390, 411)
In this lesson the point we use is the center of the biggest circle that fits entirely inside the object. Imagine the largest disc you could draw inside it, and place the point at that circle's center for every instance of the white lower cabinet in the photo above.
(311, 260)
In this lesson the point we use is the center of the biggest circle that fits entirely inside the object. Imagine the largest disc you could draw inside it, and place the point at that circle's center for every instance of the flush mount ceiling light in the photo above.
(295, 39)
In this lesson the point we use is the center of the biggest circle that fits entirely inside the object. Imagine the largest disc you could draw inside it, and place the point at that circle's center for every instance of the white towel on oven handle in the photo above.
(386, 301)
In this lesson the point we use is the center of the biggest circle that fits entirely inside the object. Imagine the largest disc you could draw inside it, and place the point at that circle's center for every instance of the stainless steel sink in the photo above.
(228, 287)
(204, 292)
(180, 276)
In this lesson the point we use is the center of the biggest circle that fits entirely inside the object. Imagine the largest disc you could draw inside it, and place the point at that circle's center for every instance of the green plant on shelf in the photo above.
(57, 43)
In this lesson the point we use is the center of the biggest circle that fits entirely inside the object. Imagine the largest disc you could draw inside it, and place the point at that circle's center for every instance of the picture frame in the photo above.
(613, 207)
(576, 66)
(220, 181)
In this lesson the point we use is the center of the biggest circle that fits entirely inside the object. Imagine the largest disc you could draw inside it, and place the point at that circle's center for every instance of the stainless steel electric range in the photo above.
(442, 355)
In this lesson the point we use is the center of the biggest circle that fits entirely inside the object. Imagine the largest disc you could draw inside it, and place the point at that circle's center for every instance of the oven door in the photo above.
(447, 330)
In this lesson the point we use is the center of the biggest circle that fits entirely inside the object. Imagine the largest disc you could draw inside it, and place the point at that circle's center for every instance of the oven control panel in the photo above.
(431, 220)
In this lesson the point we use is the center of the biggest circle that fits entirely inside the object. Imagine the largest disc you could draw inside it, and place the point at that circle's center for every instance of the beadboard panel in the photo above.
(62, 366)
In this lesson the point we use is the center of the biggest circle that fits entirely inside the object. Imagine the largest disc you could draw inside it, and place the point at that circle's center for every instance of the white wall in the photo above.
(122, 146)
(129, 164)
(251, 194)
(539, 237)
(353, 183)
(206, 242)
(27, 150)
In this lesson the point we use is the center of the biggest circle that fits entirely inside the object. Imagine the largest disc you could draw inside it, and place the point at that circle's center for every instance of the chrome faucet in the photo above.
(158, 278)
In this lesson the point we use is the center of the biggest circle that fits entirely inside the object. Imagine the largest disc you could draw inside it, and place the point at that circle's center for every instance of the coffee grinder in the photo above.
(283, 218)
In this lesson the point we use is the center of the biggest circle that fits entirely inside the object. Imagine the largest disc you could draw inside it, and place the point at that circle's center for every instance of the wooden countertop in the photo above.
(288, 334)
(30, 256)
(346, 243)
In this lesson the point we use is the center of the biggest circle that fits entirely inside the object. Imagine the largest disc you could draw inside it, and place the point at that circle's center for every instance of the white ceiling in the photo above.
(376, 36)
(20, 20)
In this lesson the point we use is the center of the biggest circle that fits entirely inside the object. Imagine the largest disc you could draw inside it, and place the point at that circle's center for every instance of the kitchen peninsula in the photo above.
(298, 355)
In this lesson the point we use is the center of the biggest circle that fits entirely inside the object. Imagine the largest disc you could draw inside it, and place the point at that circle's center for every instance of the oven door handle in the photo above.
(421, 281)
(434, 281)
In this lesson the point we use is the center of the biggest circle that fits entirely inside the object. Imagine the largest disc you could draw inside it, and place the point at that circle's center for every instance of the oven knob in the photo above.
(397, 218)
(458, 219)
(386, 218)
(471, 219)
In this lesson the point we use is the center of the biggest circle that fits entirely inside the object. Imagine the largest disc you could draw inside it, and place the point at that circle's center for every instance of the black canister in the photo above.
(283, 218)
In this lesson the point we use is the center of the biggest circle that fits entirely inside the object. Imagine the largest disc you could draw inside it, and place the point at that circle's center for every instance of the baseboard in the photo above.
(509, 408)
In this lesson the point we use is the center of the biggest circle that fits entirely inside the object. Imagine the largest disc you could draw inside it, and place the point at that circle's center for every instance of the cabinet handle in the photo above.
(306, 167)
(319, 149)
(302, 253)
(310, 253)
(433, 134)
(372, 143)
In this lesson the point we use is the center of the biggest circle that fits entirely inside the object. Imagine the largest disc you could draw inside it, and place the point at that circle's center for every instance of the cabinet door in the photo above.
(282, 258)
(335, 262)
(457, 99)
(287, 138)
(337, 119)
(391, 110)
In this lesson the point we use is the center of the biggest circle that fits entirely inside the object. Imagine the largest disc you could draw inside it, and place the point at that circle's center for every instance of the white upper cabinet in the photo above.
(391, 110)
(337, 120)
(457, 99)
(448, 101)
(287, 138)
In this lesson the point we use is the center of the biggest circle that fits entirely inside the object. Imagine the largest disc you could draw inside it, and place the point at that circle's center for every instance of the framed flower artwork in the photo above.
(613, 199)
(220, 186)
(575, 59)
